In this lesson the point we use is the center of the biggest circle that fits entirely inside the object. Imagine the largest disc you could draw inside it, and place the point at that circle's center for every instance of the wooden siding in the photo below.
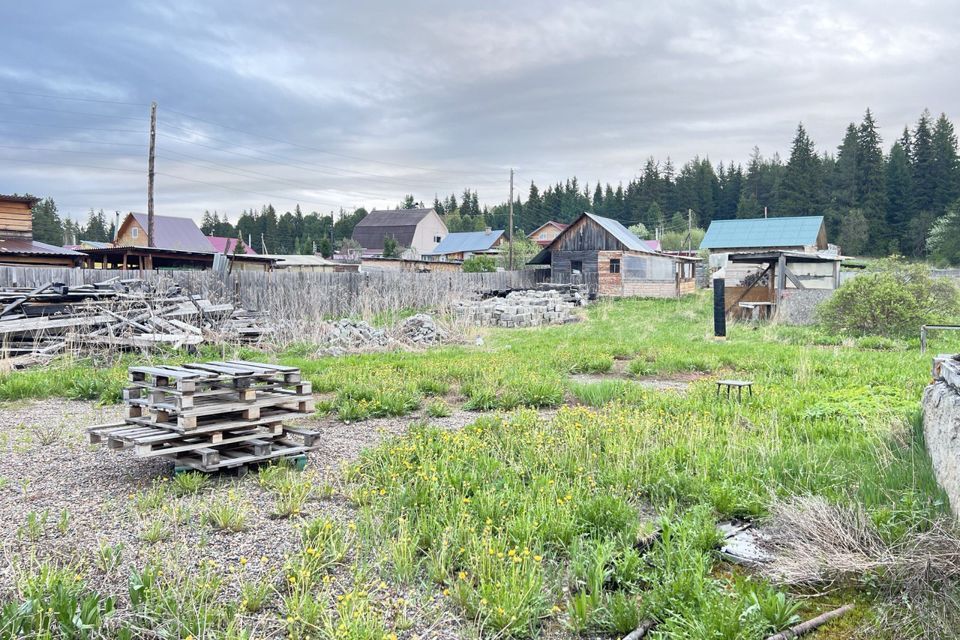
(125, 234)
(16, 219)
(586, 235)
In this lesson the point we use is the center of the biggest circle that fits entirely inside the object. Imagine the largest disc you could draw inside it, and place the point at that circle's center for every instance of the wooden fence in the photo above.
(307, 295)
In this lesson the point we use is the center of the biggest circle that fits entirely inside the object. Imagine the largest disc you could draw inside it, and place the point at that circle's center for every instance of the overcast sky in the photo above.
(360, 102)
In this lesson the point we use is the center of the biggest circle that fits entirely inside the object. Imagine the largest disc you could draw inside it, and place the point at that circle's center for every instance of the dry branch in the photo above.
(810, 625)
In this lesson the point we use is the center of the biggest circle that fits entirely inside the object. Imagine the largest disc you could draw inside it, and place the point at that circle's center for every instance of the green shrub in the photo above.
(891, 300)
(479, 264)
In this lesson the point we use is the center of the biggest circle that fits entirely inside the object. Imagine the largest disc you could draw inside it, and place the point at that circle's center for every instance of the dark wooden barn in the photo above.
(613, 262)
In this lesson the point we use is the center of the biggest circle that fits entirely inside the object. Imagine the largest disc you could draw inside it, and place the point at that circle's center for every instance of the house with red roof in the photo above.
(228, 246)
(545, 233)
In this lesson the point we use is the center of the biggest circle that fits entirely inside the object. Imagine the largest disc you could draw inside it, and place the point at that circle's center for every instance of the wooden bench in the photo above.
(738, 385)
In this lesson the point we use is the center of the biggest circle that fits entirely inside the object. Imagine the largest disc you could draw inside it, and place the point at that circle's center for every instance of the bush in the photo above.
(893, 299)
(479, 264)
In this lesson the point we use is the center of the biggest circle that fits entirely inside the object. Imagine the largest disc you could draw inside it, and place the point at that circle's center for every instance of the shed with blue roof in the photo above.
(805, 234)
(611, 261)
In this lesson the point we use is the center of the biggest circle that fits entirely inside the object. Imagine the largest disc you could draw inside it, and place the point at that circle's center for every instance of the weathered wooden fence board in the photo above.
(312, 295)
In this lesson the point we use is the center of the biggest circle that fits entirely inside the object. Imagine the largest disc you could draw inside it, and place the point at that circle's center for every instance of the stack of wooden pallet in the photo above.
(212, 415)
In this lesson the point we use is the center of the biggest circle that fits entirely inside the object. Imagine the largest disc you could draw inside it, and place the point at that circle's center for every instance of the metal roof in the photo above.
(300, 260)
(380, 223)
(797, 231)
(171, 232)
(24, 247)
(225, 245)
(466, 242)
(621, 233)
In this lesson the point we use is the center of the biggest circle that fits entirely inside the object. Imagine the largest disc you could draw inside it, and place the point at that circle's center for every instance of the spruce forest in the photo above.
(878, 197)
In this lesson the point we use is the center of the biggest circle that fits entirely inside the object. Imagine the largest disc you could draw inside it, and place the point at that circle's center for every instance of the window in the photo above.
(614, 265)
(437, 239)
(543, 235)
(576, 265)
(134, 232)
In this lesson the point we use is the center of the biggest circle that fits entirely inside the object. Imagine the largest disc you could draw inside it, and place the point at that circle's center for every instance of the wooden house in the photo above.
(17, 246)
(462, 245)
(416, 231)
(545, 233)
(611, 261)
(178, 243)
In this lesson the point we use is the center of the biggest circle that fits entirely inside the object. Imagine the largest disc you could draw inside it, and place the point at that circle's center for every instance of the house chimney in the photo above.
(487, 230)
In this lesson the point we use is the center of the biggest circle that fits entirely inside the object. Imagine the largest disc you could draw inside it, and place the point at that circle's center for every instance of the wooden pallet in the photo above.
(241, 456)
(211, 416)
(150, 442)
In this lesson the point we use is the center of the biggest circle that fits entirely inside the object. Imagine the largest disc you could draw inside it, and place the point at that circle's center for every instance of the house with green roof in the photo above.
(803, 234)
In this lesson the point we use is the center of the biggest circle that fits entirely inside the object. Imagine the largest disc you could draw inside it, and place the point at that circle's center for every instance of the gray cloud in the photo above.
(384, 98)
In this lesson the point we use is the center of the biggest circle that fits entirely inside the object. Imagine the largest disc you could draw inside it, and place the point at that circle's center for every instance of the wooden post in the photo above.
(781, 276)
(719, 309)
(150, 163)
(511, 219)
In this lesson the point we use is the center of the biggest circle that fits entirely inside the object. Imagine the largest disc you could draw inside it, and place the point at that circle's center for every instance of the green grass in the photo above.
(526, 522)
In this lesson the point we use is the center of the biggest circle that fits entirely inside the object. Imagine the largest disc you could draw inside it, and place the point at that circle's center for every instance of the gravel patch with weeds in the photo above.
(83, 498)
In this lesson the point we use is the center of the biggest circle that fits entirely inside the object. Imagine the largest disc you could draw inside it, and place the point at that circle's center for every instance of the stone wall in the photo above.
(520, 309)
(798, 306)
(941, 426)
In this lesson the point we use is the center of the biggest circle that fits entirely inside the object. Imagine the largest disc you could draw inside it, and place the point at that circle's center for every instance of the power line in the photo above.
(76, 113)
(69, 126)
(56, 97)
(323, 169)
(318, 150)
(259, 193)
(245, 172)
(181, 178)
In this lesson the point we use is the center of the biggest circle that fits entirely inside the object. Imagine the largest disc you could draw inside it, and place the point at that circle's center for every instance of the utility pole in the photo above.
(511, 219)
(689, 229)
(153, 149)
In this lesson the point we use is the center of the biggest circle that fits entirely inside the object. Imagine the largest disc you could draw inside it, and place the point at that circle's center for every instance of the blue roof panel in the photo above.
(466, 242)
(798, 231)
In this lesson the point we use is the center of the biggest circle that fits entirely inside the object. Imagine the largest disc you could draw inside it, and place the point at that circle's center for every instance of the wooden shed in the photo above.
(613, 262)
(17, 245)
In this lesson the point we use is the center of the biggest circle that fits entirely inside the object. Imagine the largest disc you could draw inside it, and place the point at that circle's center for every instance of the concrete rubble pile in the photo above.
(351, 335)
(421, 330)
(521, 309)
(346, 336)
(941, 425)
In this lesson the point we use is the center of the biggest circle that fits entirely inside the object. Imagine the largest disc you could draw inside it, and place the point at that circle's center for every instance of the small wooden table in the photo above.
(738, 384)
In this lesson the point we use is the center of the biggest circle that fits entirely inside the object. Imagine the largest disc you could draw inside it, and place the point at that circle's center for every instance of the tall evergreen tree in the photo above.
(923, 160)
(47, 226)
(871, 192)
(945, 167)
(802, 186)
(899, 184)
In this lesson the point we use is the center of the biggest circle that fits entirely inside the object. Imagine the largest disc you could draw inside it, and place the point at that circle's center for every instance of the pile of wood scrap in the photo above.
(37, 324)
(212, 416)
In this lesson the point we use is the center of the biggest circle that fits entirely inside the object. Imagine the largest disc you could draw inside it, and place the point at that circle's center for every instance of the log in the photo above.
(641, 631)
(810, 625)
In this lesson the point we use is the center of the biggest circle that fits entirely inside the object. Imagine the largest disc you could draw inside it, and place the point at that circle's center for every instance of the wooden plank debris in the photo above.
(210, 416)
(39, 323)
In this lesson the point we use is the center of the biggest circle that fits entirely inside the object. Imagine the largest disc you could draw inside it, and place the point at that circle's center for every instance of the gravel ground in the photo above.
(49, 468)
